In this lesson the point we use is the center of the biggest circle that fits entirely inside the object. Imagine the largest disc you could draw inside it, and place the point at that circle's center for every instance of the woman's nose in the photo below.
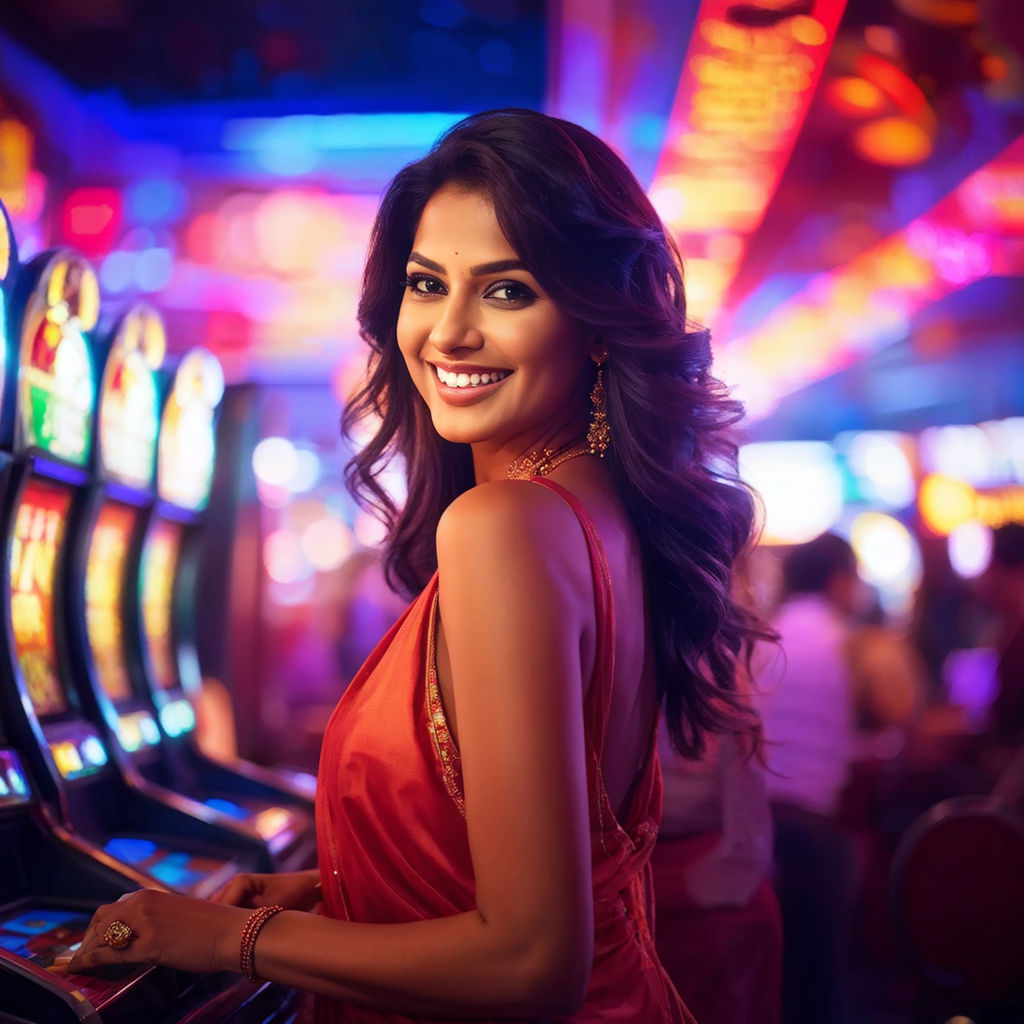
(455, 327)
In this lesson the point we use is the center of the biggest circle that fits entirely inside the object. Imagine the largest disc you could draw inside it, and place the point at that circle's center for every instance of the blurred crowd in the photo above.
(876, 841)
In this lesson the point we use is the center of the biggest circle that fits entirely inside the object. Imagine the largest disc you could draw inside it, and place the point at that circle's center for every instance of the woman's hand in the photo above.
(167, 929)
(293, 890)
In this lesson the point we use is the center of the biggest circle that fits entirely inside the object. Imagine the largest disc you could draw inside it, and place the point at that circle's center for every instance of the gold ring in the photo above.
(118, 935)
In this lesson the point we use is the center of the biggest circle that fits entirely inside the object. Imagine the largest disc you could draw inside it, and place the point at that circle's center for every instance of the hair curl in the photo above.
(576, 216)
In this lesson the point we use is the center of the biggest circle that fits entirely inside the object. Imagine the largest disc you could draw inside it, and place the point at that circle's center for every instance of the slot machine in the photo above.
(276, 804)
(162, 844)
(52, 878)
(114, 529)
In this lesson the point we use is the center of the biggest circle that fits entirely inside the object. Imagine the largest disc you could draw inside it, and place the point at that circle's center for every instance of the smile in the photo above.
(470, 380)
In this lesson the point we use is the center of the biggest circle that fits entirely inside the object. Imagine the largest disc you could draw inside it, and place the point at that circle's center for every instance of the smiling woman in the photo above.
(489, 790)
(474, 310)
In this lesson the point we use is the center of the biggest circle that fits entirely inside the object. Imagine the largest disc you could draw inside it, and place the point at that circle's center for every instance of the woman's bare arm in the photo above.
(515, 601)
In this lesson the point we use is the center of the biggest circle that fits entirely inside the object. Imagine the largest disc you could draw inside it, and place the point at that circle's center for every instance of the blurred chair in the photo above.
(958, 900)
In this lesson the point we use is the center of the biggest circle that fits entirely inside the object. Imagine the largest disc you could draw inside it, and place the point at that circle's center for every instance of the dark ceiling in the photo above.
(384, 55)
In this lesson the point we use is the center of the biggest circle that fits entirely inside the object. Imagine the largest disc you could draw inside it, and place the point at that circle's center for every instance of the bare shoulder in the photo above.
(513, 543)
(513, 518)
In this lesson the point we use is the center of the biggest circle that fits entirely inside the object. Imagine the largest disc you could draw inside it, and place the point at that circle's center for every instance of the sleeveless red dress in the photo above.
(391, 830)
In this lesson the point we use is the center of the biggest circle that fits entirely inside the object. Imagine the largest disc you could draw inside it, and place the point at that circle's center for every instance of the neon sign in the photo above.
(842, 315)
(104, 580)
(38, 532)
(129, 402)
(187, 448)
(159, 563)
(741, 101)
(56, 391)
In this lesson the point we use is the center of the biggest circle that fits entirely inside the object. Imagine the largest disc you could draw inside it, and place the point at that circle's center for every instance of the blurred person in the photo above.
(1002, 586)
(946, 615)
(489, 789)
(717, 925)
(830, 683)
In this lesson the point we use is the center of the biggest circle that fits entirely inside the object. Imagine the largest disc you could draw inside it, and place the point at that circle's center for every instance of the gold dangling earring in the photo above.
(599, 434)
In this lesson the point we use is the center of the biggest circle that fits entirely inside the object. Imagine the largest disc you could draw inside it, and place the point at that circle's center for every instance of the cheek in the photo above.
(409, 340)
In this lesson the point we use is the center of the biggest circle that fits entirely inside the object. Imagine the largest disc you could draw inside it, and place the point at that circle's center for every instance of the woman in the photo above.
(489, 792)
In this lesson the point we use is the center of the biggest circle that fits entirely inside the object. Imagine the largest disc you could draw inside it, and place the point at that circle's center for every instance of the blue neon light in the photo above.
(156, 201)
(232, 810)
(336, 132)
(129, 850)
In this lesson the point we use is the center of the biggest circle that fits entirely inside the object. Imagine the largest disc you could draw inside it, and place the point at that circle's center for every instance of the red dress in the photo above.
(391, 830)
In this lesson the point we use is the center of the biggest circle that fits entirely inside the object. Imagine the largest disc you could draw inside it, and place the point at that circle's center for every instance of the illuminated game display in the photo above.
(108, 554)
(187, 448)
(42, 934)
(38, 531)
(276, 806)
(55, 376)
(13, 784)
(130, 406)
(8, 262)
(159, 561)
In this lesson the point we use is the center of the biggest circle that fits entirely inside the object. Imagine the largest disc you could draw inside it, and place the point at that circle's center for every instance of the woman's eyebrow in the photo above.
(495, 267)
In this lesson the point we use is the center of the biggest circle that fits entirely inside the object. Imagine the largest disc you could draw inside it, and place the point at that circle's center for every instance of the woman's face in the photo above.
(496, 361)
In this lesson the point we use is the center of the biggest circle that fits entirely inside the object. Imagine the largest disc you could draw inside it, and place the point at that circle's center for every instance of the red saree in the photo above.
(391, 831)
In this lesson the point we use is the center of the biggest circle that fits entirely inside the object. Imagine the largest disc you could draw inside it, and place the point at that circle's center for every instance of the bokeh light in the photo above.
(274, 461)
(369, 530)
(884, 472)
(945, 503)
(970, 547)
(327, 542)
(888, 554)
(284, 558)
(800, 485)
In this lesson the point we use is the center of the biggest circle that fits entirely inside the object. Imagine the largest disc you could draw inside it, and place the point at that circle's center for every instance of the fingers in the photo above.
(238, 892)
(111, 938)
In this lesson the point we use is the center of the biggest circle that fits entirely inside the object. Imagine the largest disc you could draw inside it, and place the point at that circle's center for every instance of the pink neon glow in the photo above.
(842, 315)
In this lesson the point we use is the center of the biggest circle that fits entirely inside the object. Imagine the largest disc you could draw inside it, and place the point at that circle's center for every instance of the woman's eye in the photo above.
(511, 293)
(424, 284)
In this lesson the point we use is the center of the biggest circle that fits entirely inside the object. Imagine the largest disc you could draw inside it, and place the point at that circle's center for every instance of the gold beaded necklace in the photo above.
(543, 462)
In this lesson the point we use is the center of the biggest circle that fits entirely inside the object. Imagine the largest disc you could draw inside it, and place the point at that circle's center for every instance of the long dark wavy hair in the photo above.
(582, 224)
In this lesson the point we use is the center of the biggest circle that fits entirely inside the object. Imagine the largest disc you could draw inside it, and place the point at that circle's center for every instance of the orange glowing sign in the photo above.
(946, 503)
(159, 565)
(104, 582)
(740, 104)
(38, 533)
(16, 146)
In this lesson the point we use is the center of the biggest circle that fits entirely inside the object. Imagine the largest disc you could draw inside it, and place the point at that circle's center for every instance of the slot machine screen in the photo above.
(38, 532)
(13, 784)
(159, 564)
(41, 934)
(104, 583)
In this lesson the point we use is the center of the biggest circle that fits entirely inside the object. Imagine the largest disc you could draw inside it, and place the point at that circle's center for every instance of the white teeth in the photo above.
(468, 380)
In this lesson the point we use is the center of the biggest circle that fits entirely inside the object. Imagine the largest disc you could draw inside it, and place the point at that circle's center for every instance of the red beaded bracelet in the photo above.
(250, 933)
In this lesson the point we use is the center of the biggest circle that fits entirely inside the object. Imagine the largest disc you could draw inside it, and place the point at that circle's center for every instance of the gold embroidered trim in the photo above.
(444, 745)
